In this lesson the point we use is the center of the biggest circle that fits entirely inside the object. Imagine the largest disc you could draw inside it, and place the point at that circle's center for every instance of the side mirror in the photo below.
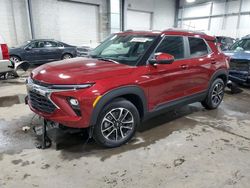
(28, 48)
(162, 58)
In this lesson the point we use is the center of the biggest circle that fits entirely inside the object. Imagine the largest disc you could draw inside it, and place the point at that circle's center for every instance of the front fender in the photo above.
(115, 93)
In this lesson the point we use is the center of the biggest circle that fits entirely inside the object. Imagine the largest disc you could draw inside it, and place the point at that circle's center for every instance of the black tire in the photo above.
(122, 130)
(67, 56)
(215, 94)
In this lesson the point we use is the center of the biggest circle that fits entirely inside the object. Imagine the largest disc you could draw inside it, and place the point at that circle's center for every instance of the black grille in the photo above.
(41, 103)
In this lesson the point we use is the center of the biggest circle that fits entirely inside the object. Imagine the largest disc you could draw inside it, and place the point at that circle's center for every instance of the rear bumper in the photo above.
(5, 66)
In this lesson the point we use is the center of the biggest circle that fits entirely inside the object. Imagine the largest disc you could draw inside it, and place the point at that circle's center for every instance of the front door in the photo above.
(32, 52)
(169, 82)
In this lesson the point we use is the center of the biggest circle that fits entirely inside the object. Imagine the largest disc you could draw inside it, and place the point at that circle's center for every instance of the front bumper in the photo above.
(62, 112)
(239, 77)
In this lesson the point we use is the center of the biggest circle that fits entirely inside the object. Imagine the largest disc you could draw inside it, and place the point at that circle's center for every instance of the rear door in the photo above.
(51, 51)
(201, 60)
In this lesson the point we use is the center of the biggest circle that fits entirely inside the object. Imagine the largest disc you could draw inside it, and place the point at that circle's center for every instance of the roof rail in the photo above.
(185, 30)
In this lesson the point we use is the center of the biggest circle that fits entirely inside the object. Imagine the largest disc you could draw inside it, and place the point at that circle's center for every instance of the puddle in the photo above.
(13, 139)
(8, 101)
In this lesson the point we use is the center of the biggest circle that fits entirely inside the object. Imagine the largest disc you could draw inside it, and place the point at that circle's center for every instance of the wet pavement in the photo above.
(188, 147)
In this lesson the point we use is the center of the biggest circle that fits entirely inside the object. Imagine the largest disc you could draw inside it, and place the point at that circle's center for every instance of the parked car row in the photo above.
(120, 70)
(35, 52)
(42, 51)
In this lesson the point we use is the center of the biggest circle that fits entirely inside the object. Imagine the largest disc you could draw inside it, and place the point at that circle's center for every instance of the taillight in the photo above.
(5, 51)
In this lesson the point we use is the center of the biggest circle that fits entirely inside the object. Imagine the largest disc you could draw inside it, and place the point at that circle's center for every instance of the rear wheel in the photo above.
(67, 56)
(116, 123)
(215, 94)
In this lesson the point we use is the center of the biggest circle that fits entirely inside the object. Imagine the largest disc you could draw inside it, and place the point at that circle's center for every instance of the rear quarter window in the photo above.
(198, 47)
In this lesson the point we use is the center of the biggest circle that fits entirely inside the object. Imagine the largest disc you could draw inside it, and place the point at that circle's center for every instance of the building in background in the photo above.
(80, 22)
(219, 17)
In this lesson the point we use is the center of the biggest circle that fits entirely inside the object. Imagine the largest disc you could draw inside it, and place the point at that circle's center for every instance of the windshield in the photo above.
(125, 49)
(241, 45)
(23, 44)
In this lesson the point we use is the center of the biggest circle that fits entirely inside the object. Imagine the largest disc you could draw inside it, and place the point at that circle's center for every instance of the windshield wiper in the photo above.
(106, 59)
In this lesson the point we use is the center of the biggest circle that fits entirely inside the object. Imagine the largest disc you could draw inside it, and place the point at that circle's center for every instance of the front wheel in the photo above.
(215, 95)
(116, 123)
(14, 59)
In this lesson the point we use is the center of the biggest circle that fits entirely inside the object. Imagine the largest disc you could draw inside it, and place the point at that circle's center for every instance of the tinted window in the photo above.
(198, 47)
(37, 44)
(49, 44)
(60, 45)
(172, 45)
(33, 45)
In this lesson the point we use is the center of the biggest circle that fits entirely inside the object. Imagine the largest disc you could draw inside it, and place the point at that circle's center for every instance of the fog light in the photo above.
(74, 102)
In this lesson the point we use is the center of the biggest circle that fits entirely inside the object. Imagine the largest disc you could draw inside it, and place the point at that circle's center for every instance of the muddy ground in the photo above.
(189, 147)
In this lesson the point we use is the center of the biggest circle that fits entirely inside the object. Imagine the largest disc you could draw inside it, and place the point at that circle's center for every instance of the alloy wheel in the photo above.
(217, 94)
(117, 124)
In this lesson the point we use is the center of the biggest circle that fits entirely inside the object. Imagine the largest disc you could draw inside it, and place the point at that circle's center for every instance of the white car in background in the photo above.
(5, 63)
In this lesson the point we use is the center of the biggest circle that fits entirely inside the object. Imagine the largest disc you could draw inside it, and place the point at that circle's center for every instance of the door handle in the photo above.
(184, 66)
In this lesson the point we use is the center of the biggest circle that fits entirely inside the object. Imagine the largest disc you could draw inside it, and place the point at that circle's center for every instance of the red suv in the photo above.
(128, 78)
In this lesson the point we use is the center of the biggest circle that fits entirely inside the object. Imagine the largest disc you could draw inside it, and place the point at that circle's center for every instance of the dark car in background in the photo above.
(239, 55)
(225, 42)
(42, 51)
(83, 51)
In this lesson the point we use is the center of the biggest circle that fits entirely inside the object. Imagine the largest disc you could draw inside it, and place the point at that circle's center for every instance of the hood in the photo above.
(241, 55)
(15, 50)
(79, 71)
